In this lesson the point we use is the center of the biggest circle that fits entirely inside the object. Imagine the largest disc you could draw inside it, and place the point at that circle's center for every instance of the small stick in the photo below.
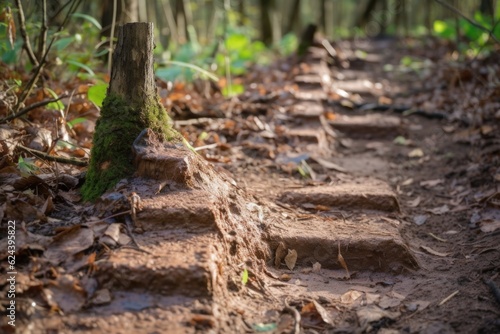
(437, 238)
(31, 107)
(48, 157)
(448, 298)
(296, 317)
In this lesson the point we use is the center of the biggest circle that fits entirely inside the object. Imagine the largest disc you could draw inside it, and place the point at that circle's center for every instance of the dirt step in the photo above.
(190, 209)
(312, 81)
(362, 87)
(138, 312)
(366, 243)
(369, 126)
(361, 194)
(180, 263)
(311, 94)
(307, 109)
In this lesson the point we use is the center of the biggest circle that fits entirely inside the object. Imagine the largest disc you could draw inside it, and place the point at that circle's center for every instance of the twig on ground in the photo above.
(48, 157)
(29, 108)
(296, 317)
(448, 298)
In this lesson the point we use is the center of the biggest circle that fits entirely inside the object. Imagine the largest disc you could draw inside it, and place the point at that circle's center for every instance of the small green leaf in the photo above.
(76, 121)
(26, 166)
(204, 135)
(237, 42)
(244, 276)
(88, 18)
(192, 67)
(54, 105)
(80, 65)
(97, 93)
(63, 43)
(233, 90)
(400, 140)
(265, 327)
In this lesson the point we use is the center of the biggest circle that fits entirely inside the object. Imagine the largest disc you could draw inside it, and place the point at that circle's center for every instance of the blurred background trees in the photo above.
(221, 35)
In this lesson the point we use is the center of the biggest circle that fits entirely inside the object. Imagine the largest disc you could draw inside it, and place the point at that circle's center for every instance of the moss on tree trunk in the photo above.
(131, 105)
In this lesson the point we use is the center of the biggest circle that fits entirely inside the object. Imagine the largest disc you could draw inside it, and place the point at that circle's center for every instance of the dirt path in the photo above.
(331, 219)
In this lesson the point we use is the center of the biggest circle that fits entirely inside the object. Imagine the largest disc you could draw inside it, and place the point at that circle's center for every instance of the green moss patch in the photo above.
(116, 130)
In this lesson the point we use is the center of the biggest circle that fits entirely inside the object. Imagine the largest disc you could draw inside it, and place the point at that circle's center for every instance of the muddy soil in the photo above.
(322, 218)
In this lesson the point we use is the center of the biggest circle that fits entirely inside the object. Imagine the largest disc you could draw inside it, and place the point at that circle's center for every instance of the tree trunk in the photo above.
(294, 20)
(126, 11)
(131, 105)
(486, 7)
(241, 13)
(365, 16)
(265, 21)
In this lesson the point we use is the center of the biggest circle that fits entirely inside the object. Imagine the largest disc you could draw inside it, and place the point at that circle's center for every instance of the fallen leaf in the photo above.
(285, 277)
(415, 202)
(439, 210)
(372, 313)
(64, 247)
(391, 299)
(350, 296)
(66, 293)
(420, 219)
(489, 225)
(291, 259)
(316, 314)
(407, 182)
(279, 254)
(101, 297)
(316, 268)
(342, 262)
(431, 183)
(418, 305)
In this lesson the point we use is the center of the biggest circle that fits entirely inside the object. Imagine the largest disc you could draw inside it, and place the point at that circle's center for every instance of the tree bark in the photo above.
(265, 21)
(294, 21)
(365, 16)
(131, 105)
(126, 11)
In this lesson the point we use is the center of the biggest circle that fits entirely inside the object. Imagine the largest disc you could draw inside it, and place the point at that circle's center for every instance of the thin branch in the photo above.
(24, 34)
(43, 31)
(48, 157)
(29, 108)
(474, 23)
(29, 87)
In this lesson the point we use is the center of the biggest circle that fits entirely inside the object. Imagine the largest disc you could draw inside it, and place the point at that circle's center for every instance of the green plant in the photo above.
(73, 51)
(476, 39)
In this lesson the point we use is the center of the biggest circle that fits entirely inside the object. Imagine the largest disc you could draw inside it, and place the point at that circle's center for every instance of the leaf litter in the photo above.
(238, 134)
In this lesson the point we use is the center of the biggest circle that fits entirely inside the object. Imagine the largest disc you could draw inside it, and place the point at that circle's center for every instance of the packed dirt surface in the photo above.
(340, 195)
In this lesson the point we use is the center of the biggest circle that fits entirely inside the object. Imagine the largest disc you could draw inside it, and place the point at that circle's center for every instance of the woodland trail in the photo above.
(329, 217)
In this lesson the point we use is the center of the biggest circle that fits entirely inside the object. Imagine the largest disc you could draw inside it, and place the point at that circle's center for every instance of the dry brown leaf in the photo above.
(316, 268)
(280, 254)
(342, 262)
(350, 296)
(67, 294)
(67, 244)
(291, 259)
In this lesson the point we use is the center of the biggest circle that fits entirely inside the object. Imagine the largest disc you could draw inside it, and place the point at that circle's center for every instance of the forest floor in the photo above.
(351, 194)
